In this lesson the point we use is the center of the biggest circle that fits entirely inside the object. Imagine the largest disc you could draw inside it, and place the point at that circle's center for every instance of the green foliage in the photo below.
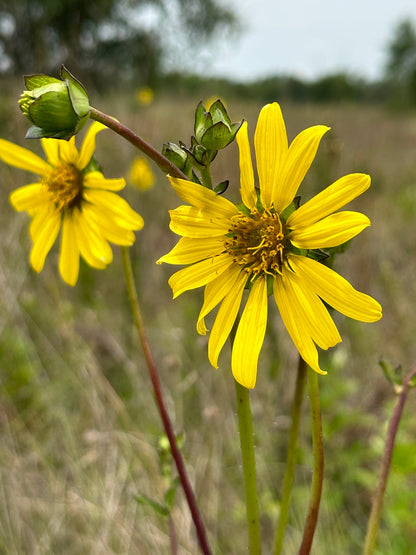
(401, 65)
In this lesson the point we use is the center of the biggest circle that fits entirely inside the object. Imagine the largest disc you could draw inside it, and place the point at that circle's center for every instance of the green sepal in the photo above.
(54, 111)
(217, 136)
(40, 80)
(222, 187)
(77, 93)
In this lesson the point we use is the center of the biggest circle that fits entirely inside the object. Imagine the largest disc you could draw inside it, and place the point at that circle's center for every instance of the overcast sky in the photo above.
(310, 38)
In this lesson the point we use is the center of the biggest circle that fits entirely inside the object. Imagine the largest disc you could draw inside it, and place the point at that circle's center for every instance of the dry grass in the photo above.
(79, 430)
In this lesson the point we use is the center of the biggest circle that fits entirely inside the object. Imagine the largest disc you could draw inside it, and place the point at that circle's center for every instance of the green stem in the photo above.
(291, 456)
(249, 467)
(206, 177)
(154, 377)
(377, 505)
(164, 164)
(318, 465)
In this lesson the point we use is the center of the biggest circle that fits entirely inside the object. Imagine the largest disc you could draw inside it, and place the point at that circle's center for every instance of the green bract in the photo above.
(58, 108)
(213, 128)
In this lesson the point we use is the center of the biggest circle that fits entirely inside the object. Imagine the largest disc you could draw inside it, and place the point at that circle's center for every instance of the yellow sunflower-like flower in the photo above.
(73, 196)
(265, 242)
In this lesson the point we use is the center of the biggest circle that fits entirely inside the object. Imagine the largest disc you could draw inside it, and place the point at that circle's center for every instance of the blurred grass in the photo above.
(79, 430)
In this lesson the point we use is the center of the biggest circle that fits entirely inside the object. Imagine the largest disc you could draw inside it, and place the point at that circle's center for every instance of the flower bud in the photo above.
(58, 108)
(213, 128)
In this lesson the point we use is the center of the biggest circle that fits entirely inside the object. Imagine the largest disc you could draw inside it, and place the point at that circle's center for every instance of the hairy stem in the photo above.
(318, 465)
(291, 456)
(157, 389)
(377, 505)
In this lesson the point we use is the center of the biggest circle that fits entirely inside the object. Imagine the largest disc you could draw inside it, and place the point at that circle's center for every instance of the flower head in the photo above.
(262, 245)
(74, 197)
(141, 175)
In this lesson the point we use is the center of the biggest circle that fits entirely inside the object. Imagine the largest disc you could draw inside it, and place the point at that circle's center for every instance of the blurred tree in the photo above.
(102, 38)
(401, 64)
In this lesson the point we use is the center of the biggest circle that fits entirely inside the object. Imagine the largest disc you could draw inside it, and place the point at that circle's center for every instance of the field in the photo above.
(79, 431)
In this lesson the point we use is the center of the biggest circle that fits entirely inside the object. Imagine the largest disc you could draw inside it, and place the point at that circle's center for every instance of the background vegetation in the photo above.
(79, 432)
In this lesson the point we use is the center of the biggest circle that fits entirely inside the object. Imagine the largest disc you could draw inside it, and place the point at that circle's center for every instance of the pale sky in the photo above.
(309, 38)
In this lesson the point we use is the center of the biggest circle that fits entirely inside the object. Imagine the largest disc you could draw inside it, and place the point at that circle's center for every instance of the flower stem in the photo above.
(318, 465)
(377, 505)
(206, 177)
(164, 164)
(291, 456)
(157, 389)
(249, 467)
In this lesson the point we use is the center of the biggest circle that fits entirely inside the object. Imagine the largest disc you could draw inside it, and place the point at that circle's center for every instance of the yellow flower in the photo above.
(141, 175)
(264, 242)
(73, 196)
(144, 96)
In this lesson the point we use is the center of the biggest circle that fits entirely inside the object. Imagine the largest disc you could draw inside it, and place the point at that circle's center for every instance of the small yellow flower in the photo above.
(263, 244)
(73, 196)
(141, 175)
(145, 96)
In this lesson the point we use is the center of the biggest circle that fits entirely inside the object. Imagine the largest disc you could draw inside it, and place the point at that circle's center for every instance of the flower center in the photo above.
(257, 242)
(64, 183)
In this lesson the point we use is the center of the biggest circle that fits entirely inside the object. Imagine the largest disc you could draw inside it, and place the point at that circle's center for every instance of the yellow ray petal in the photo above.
(22, 158)
(247, 189)
(300, 156)
(330, 232)
(68, 152)
(116, 205)
(204, 198)
(199, 274)
(311, 311)
(295, 324)
(270, 142)
(108, 227)
(225, 319)
(250, 335)
(329, 200)
(214, 293)
(69, 254)
(188, 250)
(93, 248)
(30, 197)
(96, 180)
(335, 290)
(189, 221)
(47, 229)
(51, 148)
(88, 145)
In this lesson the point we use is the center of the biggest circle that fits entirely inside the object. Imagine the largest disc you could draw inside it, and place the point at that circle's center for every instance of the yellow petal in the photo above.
(295, 323)
(199, 274)
(69, 255)
(329, 200)
(312, 315)
(331, 231)
(250, 335)
(214, 293)
(46, 230)
(68, 152)
(301, 153)
(93, 248)
(225, 318)
(188, 250)
(88, 145)
(29, 197)
(96, 180)
(204, 198)
(335, 290)
(116, 205)
(51, 148)
(107, 226)
(22, 158)
(189, 221)
(270, 142)
(247, 189)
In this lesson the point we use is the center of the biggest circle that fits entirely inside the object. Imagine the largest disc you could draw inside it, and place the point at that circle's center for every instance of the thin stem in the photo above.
(157, 389)
(318, 465)
(291, 456)
(164, 164)
(249, 467)
(377, 505)
(206, 177)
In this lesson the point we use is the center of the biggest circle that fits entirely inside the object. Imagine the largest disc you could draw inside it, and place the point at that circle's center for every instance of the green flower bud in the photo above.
(175, 154)
(58, 108)
(213, 128)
